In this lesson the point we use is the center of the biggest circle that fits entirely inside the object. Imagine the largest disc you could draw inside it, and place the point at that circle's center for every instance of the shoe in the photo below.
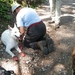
(42, 46)
(49, 44)
(45, 50)
(48, 40)
(50, 48)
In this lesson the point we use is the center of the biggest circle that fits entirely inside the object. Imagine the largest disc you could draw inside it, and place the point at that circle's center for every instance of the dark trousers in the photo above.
(34, 34)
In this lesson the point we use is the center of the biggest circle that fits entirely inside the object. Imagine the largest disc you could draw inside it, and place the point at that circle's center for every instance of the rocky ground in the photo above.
(59, 62)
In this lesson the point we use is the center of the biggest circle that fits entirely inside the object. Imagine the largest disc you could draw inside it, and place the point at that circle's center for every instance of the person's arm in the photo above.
(22, 31)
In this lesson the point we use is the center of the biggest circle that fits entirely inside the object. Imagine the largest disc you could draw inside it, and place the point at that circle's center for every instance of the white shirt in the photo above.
(26, 17)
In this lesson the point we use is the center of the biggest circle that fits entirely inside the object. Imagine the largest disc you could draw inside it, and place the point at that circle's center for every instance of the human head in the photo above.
(15, 6)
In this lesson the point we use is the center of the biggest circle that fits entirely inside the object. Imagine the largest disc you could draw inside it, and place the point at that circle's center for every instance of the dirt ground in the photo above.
(58, 62)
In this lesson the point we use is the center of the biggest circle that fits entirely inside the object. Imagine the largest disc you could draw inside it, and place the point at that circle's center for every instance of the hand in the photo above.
(20, 39)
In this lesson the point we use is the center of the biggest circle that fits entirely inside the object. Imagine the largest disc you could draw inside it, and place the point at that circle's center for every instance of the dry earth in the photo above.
(59, 61)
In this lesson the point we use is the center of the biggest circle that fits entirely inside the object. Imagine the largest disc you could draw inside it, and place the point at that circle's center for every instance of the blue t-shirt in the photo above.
(26, 17)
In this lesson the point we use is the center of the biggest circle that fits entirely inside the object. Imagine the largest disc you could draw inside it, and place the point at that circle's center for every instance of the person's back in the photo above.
(26, 17)
(36, 29)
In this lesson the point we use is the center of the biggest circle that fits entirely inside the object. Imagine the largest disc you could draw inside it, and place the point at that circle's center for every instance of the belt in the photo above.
(34, 24)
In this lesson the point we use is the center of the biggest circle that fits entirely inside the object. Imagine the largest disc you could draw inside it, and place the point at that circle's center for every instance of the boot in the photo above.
(50, 44)
(34, 45)
(42, 46)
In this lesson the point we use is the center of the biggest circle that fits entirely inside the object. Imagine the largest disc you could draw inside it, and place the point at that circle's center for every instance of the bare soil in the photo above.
(59, 62)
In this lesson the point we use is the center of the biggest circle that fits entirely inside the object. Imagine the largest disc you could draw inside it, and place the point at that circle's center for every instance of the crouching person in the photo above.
(27, 18)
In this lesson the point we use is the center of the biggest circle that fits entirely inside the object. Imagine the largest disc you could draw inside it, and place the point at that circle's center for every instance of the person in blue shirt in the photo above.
(28, 19)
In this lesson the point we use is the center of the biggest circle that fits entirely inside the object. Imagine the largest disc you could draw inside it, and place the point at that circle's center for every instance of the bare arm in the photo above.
(22, 31)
